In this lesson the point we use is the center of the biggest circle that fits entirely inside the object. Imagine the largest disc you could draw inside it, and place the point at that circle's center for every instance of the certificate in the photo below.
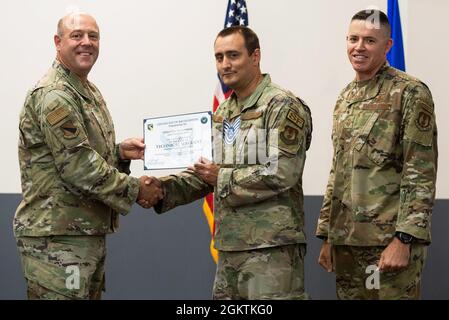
(176, 142)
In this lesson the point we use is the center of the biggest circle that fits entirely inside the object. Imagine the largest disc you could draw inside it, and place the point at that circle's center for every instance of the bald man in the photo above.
(75, 178)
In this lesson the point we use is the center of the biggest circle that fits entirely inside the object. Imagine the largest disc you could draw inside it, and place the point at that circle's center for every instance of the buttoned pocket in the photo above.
(379, 134)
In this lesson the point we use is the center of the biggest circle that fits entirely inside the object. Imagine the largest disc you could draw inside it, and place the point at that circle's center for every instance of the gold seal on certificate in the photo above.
(176, 142)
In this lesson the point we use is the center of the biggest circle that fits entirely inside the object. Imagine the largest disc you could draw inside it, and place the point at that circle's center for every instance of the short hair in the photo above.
(64, 21)
(249, 36)
(60, 28)
(373, 16)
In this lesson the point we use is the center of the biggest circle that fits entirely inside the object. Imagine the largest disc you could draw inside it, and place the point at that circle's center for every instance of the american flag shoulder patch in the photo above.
(57, 115)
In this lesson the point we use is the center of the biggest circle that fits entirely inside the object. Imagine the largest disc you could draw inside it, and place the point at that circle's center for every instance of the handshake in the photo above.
(150, 192)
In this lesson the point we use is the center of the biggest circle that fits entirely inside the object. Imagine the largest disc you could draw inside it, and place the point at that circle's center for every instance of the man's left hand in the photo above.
(132, 149)
(207, 170)
(395, 257)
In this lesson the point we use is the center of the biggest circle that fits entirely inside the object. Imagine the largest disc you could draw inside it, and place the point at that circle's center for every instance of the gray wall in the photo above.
(167, 256)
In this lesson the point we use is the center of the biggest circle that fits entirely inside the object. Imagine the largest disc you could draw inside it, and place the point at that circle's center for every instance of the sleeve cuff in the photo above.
(224, 182)
(133, 192)
(419, 233)
(122, 165)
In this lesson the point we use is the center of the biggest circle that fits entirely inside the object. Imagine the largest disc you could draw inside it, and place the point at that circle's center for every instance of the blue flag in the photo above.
(396, 55)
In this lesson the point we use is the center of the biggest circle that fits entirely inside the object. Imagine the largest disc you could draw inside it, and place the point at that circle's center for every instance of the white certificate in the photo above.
(176, 142)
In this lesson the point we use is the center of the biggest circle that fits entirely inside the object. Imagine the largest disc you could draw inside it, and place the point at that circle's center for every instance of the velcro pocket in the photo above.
(379, 136)
(364, 133)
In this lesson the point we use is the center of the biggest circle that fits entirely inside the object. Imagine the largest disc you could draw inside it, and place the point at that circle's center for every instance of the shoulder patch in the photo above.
(424, 120)
(69, 129)
(251, 115)
(425, 106)
(295, 118)
(289, 135)
(57, 115)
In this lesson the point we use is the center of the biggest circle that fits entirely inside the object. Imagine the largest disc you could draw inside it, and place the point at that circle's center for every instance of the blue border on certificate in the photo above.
(171, 116)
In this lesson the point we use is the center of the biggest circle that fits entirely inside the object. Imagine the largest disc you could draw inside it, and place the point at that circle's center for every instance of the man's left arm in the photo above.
(420, 152)
(417, 191)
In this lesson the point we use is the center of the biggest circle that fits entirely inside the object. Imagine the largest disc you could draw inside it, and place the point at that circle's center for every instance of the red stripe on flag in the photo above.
(216, 104)
(236, 14)
(210, 203)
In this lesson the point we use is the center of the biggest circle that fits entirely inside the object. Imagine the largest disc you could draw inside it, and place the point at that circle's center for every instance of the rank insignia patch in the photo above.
(231, 130)
(69, 130)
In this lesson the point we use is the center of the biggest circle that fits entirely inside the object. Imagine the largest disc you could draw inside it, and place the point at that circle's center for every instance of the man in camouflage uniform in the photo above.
(378, 203)
(258, 201)
(74, 177)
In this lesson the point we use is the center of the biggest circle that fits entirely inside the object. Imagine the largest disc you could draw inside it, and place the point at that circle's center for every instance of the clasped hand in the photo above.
(150, 192)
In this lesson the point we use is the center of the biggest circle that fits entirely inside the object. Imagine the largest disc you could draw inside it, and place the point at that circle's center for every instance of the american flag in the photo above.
(236, 15)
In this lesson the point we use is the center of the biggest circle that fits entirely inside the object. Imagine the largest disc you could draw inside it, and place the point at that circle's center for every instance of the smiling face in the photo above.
(236, 67)
(78, 43)
(367, 48)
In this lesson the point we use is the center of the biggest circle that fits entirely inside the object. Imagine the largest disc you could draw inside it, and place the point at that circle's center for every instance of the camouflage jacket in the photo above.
(384, 167)
(73, 181)
(258, 201)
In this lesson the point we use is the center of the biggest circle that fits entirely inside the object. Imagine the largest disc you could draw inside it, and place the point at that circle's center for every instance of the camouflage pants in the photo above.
(269, 273)
(63, 267)
(357, 278)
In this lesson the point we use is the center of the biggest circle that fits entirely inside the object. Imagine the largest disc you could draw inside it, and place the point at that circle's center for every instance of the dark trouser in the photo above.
(63, 267)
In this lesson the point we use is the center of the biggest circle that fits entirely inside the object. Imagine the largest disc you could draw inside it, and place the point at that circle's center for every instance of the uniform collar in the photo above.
(254, 97)
(72, 78)
(251, 100)
(358, 91)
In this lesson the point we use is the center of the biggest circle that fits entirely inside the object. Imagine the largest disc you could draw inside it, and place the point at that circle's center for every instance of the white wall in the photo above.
(156, 59)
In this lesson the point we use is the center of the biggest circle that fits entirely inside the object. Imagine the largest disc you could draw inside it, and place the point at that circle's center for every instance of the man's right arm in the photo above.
(78, 164)
(180, 189)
